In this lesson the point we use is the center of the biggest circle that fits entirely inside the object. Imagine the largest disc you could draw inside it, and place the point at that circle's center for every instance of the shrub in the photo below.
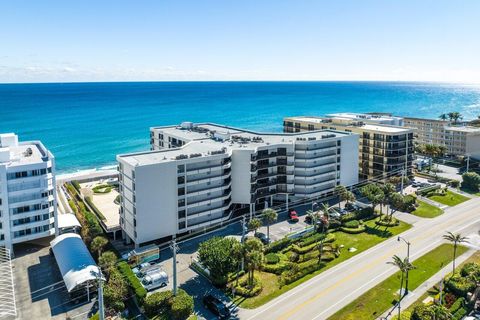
(271, 258)
(456, 305)
(460, 286)
(293, 257)
(460, 313)
(366, 213)
(94, 208)
(470, 269)
(308, 240)
(303, 250)
(454, 183)
(233, 276)
(76, 185)
(133, 282)
(304, 268)
(278, 245)
(449, 299)
(471, 181)
(348, 217)
(422, 312)
(386, 223)
(360, 229)
(352, 224)
(102, 188)
(181, 305)
(244, 291)
(275, 268)
(334, 224)
(157, 302)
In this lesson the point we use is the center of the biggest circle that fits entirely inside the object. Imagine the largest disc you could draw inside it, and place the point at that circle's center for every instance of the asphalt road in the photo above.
(323, 295)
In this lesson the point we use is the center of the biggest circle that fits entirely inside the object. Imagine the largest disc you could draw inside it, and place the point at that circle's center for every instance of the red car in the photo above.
(292, 215)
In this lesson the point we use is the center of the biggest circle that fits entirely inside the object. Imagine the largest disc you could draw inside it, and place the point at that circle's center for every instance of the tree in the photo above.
(254, 224)
(270, 215)
(341, 192)
(216, 254)
(456, 239)
(374, 194)
(324, 220)
(181, 305)
(443, 117)
(157, 302)
(116, 290)
(388, 190)
(107, 261)
(454, 116)
(403, 266)
(471, 181)
(397, 201)
(98, 244)
(349, 197)
(253, 251)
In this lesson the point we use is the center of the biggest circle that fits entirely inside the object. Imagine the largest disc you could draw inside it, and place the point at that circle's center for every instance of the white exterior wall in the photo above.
(241, 176)
(349, 154)
(27, 191)
(473, 146)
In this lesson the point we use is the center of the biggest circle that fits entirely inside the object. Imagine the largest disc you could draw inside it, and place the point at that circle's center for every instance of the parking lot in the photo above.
(40, 292)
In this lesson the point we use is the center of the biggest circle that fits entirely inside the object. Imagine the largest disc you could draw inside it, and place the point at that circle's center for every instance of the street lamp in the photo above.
(408, 260)
(314, 205)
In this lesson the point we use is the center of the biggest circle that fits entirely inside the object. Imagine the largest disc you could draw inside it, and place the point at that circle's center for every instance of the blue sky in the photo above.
(419, 40)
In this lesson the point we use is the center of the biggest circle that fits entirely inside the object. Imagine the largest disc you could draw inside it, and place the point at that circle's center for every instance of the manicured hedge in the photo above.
(157, 302)
(76, 185)
(460, 286)
(94, 208)
(271, 258)
(278, 245)
(103, 188)
(386, 223)
(275, 268)
(243, 291)
(134, 283)
(360, 229)
(353, 224)
(460, 313)
(457, 305)
(181, 305)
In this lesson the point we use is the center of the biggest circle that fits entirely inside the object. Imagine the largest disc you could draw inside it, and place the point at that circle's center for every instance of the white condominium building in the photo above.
(459, 140)
(27, 191)
(198, 175)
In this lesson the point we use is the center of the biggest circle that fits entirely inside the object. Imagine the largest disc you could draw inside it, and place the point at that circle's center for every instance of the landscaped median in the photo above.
(289, 263)
(447, 197)
(383, 296)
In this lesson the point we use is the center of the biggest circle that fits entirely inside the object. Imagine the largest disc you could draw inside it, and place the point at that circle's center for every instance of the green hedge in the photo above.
(94, 208)
(460, 313)
(275, 268)
(76, 185)
(232, 276)
(304, 268)
(134, 283)
(271, 258)
(103, 188)
(360, 229)
(243, 291)
(457, 305)
(278, 245)
(316, 237)
(157, 302)
(181, 305)
(386, 223)
(460, 286)
(352, 224)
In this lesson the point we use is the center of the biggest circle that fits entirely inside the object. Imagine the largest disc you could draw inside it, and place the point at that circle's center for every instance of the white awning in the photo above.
(74, 260)
(67, 220)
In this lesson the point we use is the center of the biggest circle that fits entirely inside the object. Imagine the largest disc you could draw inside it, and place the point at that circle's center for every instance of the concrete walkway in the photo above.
(433, 203)
(424, 287)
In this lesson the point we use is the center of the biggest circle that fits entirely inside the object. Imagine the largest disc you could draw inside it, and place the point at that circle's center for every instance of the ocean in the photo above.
(86, 125)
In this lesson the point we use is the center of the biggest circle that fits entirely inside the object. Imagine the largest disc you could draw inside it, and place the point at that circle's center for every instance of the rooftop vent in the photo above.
(28, 152)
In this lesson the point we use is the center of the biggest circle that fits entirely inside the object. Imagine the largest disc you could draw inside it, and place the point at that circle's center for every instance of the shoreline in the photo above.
(87, 174)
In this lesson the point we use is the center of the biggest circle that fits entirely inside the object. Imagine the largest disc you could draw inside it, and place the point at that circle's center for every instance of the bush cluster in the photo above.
(275, 268)
(278, 245)
(352, 224)
(102, 188)
(178, 307)
(387, 223)
(360, 229)
(76, 185)
(460, 286)
(134, 283)
(243, 290)
(457, 305)
(271, 258)
(301, 270)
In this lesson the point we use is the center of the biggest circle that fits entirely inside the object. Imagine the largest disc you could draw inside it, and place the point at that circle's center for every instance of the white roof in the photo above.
(74, 260)
(68, 220)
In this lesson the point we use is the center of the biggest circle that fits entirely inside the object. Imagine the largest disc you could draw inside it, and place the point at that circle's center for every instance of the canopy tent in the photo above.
(74, 260)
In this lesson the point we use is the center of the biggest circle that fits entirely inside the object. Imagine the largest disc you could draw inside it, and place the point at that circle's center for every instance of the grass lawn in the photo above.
(383, 296)
(363, 241)
(450, 198)
(426, 210)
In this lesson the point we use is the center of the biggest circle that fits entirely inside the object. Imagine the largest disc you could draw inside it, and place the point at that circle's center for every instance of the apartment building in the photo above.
(459, 140)
(27, 191)
(199, 175)
(385, 148)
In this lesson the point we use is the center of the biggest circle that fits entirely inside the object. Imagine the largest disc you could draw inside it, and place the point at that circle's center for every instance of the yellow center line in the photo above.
(361, 270)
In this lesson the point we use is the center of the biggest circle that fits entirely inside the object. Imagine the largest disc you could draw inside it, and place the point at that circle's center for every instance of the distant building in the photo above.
(459, 140)
(27, 191)
(198, 175)
(385, 148)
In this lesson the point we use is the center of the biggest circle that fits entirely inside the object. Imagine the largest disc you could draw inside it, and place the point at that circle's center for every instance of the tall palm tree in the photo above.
(403, 266)
(456, 239)
(254, 224)
(270, 216)
(238, 254)
(340, 191)
(253, 251)
(349, 197)
(324, 220)
(443, 117)
(388, 191)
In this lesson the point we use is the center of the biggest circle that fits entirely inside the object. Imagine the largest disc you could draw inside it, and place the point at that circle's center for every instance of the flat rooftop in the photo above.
(467, 129)
(363, 116)
(23, 153)
(367, 126)
(204, 141)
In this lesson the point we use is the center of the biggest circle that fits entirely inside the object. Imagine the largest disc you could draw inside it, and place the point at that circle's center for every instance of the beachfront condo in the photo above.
(200, 175)
(459, 140)
(27, 191)
(385, 148)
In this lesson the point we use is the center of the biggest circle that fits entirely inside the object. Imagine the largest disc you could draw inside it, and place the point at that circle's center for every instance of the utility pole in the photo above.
(174, 249)
(468, 162)
(244, 227)
(98, 276)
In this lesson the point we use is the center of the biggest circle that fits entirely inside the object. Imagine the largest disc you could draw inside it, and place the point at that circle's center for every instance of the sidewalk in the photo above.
(424, 287)
(433, 203)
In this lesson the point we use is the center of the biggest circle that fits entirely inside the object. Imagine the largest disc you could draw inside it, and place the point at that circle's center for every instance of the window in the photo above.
(181, 225)
(181, 202)
(181, 191)
(311, 127)
(181, 180)
(181, 214)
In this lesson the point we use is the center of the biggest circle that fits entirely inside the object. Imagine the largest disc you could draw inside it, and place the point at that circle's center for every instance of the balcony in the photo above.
(225, 195)
(222, 207)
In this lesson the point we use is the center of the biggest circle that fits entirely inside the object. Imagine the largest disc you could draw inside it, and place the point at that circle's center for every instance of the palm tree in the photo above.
(455, 238)
(238, 254)
(454, 116)
(349, 197)
(440, 312)
(324, 220)
(341, 192)
(374, 194)
(403, 266)
(254, 224)
(98, 243)
(253, 251)
(443, 117)
(270, 215)
(388, 191)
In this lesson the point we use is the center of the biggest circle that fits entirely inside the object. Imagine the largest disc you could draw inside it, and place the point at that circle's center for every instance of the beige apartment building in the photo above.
(384, 149)
(459, 140)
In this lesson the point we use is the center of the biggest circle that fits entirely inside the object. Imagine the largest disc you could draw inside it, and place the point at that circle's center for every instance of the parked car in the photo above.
(216, 306)
(262, 237)
(136, 271)
(351, 207)
(155, 280)
(333, 214)
(292, 215)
